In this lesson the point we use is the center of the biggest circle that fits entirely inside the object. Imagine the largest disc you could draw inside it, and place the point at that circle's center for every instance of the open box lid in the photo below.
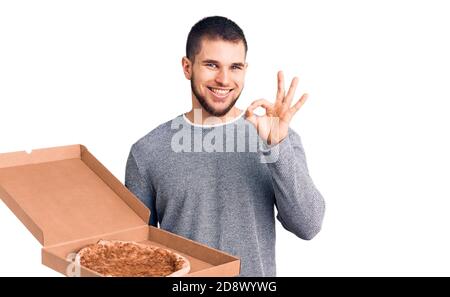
(64, 193)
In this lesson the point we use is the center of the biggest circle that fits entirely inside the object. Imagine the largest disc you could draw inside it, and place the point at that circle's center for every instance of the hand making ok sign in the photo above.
(273, 126)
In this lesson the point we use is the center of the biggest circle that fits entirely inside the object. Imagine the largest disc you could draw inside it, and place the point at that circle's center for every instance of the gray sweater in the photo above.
(218, 185)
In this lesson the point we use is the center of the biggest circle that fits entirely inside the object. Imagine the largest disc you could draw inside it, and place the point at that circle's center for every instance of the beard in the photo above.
(211, 110)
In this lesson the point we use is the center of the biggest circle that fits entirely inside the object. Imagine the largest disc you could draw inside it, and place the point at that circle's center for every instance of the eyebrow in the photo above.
(217, 62)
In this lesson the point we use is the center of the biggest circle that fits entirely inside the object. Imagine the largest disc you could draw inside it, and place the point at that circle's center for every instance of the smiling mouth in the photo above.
(220, 93)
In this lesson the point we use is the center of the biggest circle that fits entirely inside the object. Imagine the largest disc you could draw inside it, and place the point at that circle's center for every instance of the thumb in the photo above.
(250, 116)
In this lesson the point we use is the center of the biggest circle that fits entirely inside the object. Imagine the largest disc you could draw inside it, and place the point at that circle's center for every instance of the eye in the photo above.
(212, 65)
(236, 67)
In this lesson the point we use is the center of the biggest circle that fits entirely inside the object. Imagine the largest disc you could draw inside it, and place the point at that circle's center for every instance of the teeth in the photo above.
(220, 92)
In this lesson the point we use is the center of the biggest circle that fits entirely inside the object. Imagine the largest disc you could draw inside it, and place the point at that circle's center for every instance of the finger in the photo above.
(280, 90)
(260, 103)
(249, 116)
(299, 103)
(288, 99)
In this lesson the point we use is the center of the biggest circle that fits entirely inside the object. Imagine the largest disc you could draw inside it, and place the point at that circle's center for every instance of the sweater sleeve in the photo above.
(300, 205)
(137, 184)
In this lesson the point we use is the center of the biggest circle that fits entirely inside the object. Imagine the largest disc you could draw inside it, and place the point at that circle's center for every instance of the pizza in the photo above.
(128, 258)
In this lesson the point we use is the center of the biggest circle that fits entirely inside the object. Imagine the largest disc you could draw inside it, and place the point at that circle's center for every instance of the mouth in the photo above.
(219, 94)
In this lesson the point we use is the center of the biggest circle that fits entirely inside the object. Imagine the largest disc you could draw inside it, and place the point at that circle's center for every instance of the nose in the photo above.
(222, 77)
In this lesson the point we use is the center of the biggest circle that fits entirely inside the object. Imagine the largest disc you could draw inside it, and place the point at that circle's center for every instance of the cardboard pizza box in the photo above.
(67, 199)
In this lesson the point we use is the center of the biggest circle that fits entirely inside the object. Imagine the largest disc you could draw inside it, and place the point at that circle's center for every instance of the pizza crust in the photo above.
(128, 258)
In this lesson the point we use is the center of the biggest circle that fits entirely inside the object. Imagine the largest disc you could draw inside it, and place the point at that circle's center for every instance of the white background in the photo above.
(375, 127)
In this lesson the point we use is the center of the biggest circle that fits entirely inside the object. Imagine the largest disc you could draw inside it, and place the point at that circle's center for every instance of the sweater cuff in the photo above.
(272, 153)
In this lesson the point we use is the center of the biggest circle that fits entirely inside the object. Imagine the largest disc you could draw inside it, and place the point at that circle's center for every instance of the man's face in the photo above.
(218, 74)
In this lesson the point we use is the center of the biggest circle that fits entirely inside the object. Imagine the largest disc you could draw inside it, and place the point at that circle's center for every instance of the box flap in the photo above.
(64, 193)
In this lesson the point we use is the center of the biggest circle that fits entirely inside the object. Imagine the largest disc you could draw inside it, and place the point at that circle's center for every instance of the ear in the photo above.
(187, 67)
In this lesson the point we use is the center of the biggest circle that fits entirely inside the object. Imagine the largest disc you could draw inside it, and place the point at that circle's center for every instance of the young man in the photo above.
(215, 173)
